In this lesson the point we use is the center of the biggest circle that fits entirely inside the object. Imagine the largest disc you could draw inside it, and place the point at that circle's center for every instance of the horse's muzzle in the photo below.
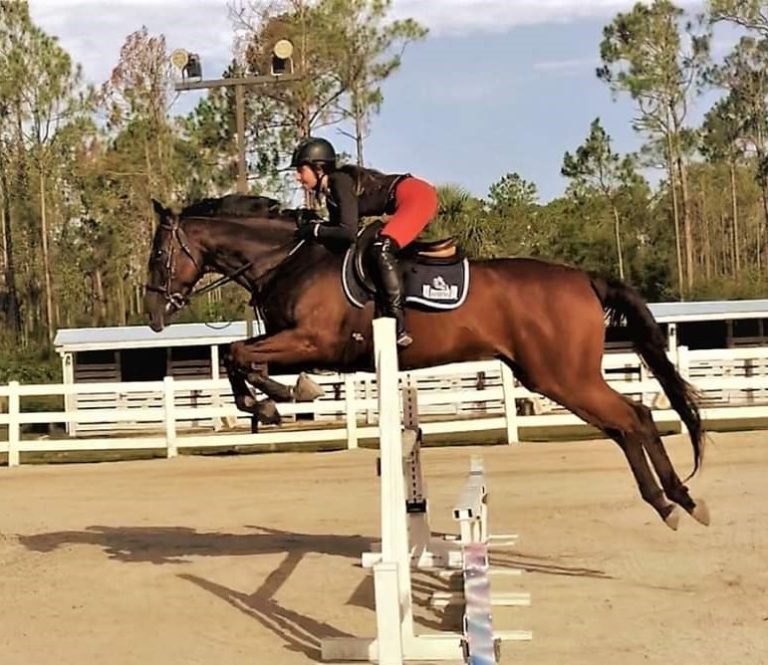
(157, 310)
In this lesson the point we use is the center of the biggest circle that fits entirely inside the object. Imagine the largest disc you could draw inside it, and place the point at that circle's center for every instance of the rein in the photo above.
(176, 299)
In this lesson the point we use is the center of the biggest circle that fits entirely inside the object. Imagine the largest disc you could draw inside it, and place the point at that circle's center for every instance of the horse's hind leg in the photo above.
(617, 420)
(670, 481)
(599, 405)
(631, 426)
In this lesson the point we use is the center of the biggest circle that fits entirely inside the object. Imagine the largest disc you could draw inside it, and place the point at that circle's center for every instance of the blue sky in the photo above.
(498, 86)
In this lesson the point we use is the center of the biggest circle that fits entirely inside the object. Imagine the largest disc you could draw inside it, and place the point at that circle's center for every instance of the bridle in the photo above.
(179, 240)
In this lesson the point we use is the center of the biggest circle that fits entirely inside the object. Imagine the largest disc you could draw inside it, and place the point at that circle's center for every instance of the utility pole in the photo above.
(282, 72)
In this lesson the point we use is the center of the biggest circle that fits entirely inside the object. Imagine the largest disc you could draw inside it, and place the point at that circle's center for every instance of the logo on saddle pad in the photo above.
(439, 289)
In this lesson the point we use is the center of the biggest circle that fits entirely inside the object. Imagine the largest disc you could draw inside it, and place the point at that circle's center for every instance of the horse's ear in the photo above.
(160, 210)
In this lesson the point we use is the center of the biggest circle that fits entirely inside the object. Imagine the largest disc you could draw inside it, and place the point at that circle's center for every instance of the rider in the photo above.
(352, 192)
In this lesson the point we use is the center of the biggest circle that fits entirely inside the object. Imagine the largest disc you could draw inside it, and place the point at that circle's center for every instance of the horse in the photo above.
(543, 319)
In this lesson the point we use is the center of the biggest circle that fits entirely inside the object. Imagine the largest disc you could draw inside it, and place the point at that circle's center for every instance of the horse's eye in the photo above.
(159, 253)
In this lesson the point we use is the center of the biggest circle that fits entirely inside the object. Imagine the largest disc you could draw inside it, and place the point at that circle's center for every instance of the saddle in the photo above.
(435, 274)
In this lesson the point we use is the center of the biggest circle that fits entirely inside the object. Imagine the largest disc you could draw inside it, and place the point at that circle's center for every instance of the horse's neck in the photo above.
(231, 245)
(278, 295)
(306, 259)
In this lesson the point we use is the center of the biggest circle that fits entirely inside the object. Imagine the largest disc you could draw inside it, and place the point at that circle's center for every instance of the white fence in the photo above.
(461, 398)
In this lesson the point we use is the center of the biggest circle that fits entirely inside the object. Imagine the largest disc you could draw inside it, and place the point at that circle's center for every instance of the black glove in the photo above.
(307, 231)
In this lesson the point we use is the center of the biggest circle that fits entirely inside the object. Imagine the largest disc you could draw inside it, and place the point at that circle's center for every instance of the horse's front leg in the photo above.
(265, 410)
(289, 347)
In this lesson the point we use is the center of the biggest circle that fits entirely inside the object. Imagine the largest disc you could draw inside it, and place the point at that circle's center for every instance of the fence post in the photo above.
(672, 345)
(169, 402)
(683, 362)
(684, 367)
(14, 425)
(215, 394)
(350, 403)
(642, 377)
(510, 405)
(70, 398)
(368, 396)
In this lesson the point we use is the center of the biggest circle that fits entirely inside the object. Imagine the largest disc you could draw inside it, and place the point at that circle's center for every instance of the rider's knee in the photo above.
(384, 244)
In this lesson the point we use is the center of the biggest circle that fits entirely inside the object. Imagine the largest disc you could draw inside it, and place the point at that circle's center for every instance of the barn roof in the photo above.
(178, 334)
(207, 334)
(719, 310)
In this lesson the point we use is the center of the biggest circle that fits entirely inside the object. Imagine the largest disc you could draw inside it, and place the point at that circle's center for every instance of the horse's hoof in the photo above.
(246, 404)
(701, 513)
(267, 413)
(306, 389)
(673, 519)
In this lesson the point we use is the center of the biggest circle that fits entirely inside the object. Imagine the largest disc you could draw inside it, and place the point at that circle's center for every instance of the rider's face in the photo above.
(307, 177)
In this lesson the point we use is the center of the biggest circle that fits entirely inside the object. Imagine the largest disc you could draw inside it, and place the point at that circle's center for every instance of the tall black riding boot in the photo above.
(390, 284)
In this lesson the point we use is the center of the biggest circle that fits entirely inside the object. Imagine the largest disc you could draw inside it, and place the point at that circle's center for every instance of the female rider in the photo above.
(352, 192)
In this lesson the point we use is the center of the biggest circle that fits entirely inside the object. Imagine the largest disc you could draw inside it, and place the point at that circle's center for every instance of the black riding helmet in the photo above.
(315, 152)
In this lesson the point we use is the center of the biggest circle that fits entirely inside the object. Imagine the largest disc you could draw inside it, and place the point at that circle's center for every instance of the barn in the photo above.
(136, 353)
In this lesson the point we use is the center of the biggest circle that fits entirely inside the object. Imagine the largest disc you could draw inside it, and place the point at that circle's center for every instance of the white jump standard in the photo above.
(403, 516)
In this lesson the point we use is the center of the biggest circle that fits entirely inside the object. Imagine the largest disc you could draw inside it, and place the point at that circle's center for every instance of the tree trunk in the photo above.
(150, 207)
(735, 214)
(137, 294)
(707, 258)
(121, 313)
(50, 319)
(101, 301)
(686, 209)
(617, 231)
(727, 262)
(760, 154)
(359, 127)
(14, 315)
(675, 215)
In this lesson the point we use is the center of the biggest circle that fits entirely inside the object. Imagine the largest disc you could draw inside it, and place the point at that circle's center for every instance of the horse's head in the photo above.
(175, 265)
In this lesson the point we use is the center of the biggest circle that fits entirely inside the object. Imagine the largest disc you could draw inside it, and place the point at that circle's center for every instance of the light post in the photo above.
(281, 71)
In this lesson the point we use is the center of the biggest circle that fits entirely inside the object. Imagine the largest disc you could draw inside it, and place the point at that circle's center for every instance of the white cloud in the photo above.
(468, 16)
(93, 31)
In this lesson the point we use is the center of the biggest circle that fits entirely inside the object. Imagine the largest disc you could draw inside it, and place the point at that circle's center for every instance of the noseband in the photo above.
(179, 240)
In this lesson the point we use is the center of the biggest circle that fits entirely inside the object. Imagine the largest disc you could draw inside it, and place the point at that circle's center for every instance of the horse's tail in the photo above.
(621, 301)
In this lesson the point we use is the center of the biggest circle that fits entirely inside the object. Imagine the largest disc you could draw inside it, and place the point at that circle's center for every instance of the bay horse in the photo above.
(546, 321)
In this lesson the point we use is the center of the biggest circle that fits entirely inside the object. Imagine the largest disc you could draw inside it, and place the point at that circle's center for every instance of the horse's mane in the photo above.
(243, 205)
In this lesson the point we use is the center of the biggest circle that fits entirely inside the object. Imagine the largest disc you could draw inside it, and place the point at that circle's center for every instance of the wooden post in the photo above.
(215, 394)
(683, 366)
(510, 405)
(14, 426)
(242, 178)
(70, 399)
(350, 403)
(169, 402)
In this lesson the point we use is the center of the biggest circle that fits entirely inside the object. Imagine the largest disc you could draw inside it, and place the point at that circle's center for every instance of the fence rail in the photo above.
(463, 398)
